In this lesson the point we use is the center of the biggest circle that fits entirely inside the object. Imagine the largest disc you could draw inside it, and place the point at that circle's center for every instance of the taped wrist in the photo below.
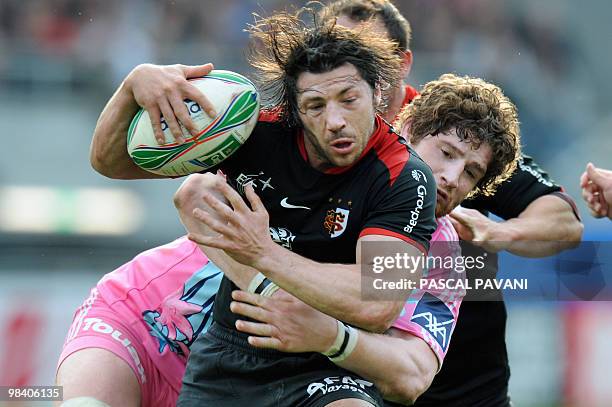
(344, 345)
(262, 285)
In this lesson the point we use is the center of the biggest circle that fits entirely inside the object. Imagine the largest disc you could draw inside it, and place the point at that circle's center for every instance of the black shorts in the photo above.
(225, 371)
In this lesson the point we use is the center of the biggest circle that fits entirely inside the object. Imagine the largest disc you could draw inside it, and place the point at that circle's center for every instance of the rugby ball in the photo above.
(236, 102)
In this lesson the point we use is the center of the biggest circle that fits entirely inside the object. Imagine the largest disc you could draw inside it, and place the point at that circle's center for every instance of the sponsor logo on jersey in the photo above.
(435, 317)
(336, 383)
(533, 171)
(282, 236)
(101, 326)
(186, 313)
(257, 181)
(416, 212)
(418, 175)
(287, 205)
(335, 221)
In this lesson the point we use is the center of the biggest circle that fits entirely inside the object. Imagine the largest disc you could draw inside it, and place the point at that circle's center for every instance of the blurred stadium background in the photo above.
(62, 226)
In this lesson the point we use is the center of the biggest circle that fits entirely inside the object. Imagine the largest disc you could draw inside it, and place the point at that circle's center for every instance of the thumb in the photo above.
(195, 71)
(460, 214)
(594, 174)
(456, 224)
(463, 231)
(584, 180)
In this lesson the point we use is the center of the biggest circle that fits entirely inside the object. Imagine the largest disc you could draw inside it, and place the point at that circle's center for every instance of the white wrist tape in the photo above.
(262, 285)
(335, 348)
(256, 282)
(270, 289)
(351, 344)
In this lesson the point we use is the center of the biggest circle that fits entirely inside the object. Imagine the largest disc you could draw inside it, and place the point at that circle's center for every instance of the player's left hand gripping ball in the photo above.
(237, 104)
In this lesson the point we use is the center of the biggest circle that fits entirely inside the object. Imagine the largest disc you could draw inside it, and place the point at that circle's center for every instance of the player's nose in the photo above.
(450, 177)
(335, 119)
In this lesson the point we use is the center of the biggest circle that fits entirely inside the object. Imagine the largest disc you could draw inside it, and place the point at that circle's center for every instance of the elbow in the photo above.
(575, 233)
(191, 192)
(102, 164)
(97, 162)
(379, 319)
(406, 388)
(185, 194)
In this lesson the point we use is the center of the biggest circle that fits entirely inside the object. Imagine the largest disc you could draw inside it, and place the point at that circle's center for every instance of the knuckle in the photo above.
(166, 88)
(190, 89)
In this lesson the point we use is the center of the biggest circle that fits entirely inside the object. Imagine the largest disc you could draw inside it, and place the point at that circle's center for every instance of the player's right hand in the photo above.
(283, 322)
(596, 184)
(161, 89)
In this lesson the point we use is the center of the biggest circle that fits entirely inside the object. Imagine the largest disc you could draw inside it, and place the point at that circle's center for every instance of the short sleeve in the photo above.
(432, 310)
(405, 208)
(528, 183)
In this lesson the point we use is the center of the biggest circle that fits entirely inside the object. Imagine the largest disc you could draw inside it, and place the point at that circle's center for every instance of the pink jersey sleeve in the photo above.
(433, 307)
(159, 275)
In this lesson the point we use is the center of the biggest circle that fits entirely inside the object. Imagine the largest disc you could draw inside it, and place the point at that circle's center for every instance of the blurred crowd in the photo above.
(534, 50)
(483, 37)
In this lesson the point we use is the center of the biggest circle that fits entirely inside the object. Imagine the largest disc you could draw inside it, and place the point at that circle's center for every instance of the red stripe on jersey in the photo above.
(411, 93)
(385, 232)
(409, 96)
(269, 115)
(394, 155)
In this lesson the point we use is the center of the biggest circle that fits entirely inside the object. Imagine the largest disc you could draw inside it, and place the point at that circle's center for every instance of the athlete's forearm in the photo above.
(547, 226)
(400, 364)
(108, 154)
(334, 289)
(190, 196)
(402, 367)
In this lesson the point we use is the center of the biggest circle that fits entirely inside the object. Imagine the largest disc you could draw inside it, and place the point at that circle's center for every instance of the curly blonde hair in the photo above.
(284, 46)
(478, 111)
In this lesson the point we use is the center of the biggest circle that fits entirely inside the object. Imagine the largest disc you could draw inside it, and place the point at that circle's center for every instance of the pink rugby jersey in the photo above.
(165, 295)
(432, 310)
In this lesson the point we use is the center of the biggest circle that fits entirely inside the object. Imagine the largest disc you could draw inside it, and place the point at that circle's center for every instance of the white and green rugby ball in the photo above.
(236, 102)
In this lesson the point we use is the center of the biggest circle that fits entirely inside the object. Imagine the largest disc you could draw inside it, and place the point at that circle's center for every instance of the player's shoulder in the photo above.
(415, 162)
(270, 126)
(416, 171)
(398, 158)
(166, 265)
(528, 170)
(179, 251)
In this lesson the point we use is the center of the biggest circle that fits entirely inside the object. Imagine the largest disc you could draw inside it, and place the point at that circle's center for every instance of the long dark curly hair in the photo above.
(286, 44)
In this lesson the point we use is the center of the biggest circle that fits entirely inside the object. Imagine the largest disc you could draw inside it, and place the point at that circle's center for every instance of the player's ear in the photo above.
(377, 96)
(405, 130)
(406, 63)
